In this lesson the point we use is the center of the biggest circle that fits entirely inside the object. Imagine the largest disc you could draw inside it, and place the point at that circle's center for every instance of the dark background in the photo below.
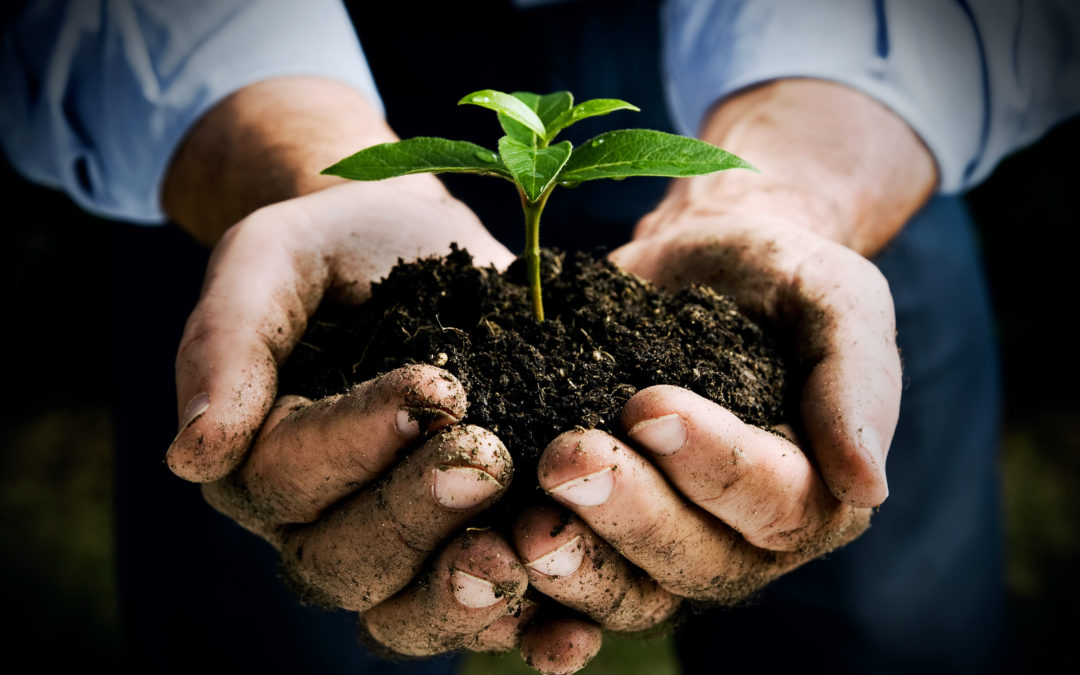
(57, 577)
(65, 273)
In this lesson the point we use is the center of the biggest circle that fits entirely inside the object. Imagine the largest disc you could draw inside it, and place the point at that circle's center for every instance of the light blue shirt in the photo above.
(95, 95)
(976, 79)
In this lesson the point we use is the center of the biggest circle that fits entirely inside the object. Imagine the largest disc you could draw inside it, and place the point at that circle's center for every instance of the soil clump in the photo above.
(607, 335)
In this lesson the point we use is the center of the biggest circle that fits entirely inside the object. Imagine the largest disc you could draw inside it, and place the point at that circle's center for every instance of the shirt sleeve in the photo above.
(976, 79)
(95, 95)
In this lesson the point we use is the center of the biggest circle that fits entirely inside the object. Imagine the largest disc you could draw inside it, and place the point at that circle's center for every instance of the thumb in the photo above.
(262, 283)
(851, 397)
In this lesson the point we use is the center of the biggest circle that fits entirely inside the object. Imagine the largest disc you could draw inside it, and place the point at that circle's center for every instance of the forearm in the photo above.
(832, 160)
(263, 144)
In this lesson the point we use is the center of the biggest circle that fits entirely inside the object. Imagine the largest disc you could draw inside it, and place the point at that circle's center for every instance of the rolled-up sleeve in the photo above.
(97, 94)
(976, 79)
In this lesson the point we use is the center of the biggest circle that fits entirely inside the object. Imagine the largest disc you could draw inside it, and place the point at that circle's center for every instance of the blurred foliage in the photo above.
(619, 656)
(1041, 475)
(56, 482)
(56, 577)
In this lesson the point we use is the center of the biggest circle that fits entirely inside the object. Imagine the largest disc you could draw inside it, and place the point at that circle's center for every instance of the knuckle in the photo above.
(874, 279)
(415, 536)
(413, 531)
(644, 606)
(838, 528)
(309, 580)
(790, 529)
(733, 582)
(651, 539)
(847, 525)
(198, 331)
(396, 644)
(277, 496)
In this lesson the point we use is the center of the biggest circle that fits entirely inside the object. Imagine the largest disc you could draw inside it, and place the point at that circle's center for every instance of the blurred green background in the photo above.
(57, 582)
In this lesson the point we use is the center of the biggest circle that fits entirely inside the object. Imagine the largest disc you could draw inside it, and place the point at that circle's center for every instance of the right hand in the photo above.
(321, 480)
(265, 278)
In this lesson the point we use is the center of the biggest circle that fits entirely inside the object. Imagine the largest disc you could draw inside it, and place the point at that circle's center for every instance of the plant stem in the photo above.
(532, 247)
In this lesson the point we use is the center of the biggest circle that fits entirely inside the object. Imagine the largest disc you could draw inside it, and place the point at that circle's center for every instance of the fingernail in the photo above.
(589, 490)
(407, 424)
(561, 562)
(194, 410)
(412, 419)
(472, 591)
(871, 445)
(462, 487)
(661, 435)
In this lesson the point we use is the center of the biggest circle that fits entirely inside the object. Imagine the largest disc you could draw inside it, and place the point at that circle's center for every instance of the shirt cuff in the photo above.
(922, 60)
(101, 94)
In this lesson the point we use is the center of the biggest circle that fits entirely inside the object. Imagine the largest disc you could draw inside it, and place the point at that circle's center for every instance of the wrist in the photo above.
(832, 161)
(265, 143)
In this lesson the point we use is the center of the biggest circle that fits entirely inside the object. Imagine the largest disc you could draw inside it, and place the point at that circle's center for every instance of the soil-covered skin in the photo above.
(607, 334)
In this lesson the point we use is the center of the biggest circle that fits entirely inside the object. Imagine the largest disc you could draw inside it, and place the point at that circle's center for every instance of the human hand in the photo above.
(708, 507)
(269, 273)
(315, 478)
(720, 508)
(313, 463)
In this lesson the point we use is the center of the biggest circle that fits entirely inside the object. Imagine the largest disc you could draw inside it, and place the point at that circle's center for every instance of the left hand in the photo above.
(709, 507)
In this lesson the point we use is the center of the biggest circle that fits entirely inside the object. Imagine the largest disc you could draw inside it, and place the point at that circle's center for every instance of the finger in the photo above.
(374, 543)
(557, 645)
(840, 309)
(851, 399)
(627, 502)
(757, 482)
(256, 299)
(475, 581)
(505, 633)
(310, 455)
(570, 564)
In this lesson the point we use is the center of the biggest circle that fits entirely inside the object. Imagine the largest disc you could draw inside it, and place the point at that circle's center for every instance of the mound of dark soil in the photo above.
(607, 335)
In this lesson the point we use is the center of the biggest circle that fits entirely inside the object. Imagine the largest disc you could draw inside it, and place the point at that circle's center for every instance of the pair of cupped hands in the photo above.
(368, 495)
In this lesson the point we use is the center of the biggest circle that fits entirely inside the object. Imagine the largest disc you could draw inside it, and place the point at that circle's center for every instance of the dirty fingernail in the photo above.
(662, 435)
(562, 561)
(412, 420)
(462, 487)
(193, 410)
(407, 423)
(589, 490)
(472, 591)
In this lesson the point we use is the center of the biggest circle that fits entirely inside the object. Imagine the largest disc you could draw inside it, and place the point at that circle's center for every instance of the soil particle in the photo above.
(565, 518)
(608, 334)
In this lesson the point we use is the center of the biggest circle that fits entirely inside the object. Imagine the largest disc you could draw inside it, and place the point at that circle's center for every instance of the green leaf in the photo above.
(547, 107)
(584, 110)
(505, 104)
(534, 169)
(644, 152)
(423, 154)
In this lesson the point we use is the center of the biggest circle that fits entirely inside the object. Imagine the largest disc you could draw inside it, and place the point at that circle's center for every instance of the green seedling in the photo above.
(527, 158)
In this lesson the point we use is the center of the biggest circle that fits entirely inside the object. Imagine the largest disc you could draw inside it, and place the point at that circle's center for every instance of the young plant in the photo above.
(527, 158)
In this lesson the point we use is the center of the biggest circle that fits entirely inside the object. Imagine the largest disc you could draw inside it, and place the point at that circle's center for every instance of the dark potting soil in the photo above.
(607, 334)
